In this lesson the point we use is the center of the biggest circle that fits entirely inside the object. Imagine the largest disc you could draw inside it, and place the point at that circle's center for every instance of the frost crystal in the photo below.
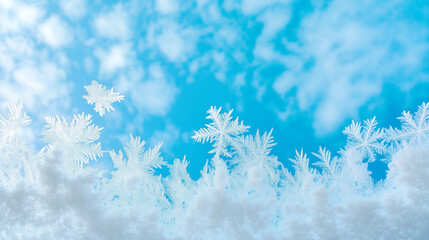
(414, 128)
(220, 131)
(76, 139)
(257, 153)
(130, 175)
(367, 141)
(13, 151)
(102, 97)
(300, 162)
(328, 164)
(15, 120)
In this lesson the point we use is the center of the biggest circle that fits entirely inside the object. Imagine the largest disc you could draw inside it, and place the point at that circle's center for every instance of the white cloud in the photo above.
(55, 32)
(251, 7)
(175, 43)
(74, 9)
(114, 24)
(274, 21)
(88, 64)
(28, 71)
(156, 95)
(37, 86)
(330, 114)
(344, 55)
(29, 15)
(16, 16)
(118, 57)
(167, 6)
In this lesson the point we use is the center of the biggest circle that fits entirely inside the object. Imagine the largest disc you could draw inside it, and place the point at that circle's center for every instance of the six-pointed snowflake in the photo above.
(367, 141)
(101, 97)
(220, 131)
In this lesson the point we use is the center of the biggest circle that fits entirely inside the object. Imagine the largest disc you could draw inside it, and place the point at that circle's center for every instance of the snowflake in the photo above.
(179, 184)
(178, 170)
(137, 170)
(138, 158)
(102, 97)
(414, 128)
(77, 139)
(328, 164)
(367, 141)
(220, 131)
(15, 120)
(300, 163)
(14, 162)
(257, 152)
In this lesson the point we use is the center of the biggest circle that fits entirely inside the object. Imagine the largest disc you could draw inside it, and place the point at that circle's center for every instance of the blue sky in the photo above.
(304, 68)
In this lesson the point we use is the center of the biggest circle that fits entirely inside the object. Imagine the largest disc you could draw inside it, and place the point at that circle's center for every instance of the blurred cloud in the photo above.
(114, 23)
(167, 6)
(55, 32)
(16, 16)
(345, 53)
(155, 95)
(274, 20)
(74, 9)
(28, 71)
(250, 7)
(117, 57)
(174, 42)
(34, 84)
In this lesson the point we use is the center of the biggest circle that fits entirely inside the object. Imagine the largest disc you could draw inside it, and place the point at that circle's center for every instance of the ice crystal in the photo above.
(415, 128)
(257, 153)
(220, 131)
(15, 120)
(77, 139)
(329, 165)
(301, 162)
(13, 152)
(368, 141)
(101, 97)
(130, 175)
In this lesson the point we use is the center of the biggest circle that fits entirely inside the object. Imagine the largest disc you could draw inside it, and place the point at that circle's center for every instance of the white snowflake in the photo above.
(220, 131)
(367, 141)
(101, 97)
(14, 162)
(328, 164)
(414, 127)
(137, 170)
(15, 120)
(300, 162)
(76, 139)
(257, 153)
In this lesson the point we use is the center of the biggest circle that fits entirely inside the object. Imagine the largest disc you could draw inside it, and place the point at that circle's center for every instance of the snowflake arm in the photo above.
(134, 177)
(257, 152)
(300, 162)
(178, 169)
(138, 157)
(101, 97)
(327, 163)
(152, 158)
(15, 120)
(367, 141)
